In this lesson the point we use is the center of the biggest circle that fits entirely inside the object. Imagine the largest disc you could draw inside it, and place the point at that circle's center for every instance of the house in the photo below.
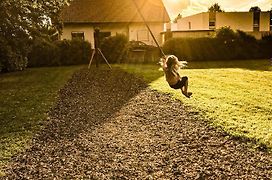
(205, 24)
(113, 17)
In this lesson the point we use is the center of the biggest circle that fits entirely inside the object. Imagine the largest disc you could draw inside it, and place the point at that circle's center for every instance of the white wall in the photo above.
(135, 31)
(193, 34)
(235, 20)
(86, 28)
(197, 22)
(265, 21)
(139, 32)
(114, 28)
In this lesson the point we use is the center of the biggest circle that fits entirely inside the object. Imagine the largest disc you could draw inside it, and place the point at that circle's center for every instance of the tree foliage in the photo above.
(24, 20)
(179, 16)
(29, 18)
(255, 9)
(215, 8)
(226, 34)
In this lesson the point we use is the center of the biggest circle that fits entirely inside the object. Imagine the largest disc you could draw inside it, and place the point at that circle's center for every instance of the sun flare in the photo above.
(174, 1)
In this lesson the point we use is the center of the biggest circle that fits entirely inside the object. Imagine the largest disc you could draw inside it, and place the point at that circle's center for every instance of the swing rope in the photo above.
(140, 13)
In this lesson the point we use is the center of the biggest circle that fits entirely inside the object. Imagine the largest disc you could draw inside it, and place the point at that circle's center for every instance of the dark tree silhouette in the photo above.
(179, 16)
(255, 9)
(215, 8)
(22, 21)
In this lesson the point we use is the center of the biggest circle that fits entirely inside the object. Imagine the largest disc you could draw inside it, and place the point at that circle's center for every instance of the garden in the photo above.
(127, 122)
(62, 120)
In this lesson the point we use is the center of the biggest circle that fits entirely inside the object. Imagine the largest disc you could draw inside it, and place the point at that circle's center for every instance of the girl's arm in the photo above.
(163, 63)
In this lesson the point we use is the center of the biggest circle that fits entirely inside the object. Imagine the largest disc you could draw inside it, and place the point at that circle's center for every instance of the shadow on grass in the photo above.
(88, 100)
(25, 98)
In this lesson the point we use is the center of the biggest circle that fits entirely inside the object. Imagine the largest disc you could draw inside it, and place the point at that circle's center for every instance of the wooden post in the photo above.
(97, 51)
(96, 45)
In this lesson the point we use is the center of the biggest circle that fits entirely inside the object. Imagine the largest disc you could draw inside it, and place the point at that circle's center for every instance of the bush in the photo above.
(58, 53)
(226, 34)
(11, 59)
(44, 53)
(195, 49)
(265, 45)
(115, 48)
(228, 45)
(74, 52)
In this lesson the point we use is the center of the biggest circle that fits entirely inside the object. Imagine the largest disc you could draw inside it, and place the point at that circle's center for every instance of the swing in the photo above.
(183, 83)
(182, 63)
(147, 26)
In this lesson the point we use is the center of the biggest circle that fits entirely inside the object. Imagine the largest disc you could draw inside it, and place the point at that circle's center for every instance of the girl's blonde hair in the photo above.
(172, 62)
(173, 65)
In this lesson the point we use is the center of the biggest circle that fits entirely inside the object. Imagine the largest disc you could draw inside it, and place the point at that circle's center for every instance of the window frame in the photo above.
(78, 35)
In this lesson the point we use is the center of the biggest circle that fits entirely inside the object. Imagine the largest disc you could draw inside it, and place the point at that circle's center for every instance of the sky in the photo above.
(190, 7)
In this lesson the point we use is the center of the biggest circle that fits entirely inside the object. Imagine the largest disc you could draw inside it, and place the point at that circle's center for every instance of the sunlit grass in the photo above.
(239, 100)
(25, 98)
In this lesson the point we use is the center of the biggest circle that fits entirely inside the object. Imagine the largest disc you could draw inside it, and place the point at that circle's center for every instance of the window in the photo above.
(212, 20)
(189, 23)
(270, 20)
(142, 35)
(256, 21)
(78, 35)
(212, 25)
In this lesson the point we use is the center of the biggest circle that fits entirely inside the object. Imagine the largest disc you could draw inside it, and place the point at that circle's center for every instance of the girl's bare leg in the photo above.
(184, 90)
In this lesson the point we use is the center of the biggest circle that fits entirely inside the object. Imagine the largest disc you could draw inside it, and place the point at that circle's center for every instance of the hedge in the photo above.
(11, 57)
(214, 49)
(228, 45)
(115, 48)
(58, 53)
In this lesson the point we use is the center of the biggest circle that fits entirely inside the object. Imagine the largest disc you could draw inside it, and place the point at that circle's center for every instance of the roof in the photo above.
(105, 11)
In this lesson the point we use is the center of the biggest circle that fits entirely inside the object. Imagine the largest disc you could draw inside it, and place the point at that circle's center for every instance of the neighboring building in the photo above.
(205, 24)
(113, 17)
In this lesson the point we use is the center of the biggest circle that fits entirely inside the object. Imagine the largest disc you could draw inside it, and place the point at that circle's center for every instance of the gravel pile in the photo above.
(107, 124)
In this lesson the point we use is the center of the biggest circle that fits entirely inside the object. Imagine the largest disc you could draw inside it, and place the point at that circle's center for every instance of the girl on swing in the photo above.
(170, 65)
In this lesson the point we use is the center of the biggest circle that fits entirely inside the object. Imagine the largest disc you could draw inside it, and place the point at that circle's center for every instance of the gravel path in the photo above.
(110, 125)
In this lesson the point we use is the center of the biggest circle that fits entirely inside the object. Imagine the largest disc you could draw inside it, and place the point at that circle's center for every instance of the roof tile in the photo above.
(104, 11)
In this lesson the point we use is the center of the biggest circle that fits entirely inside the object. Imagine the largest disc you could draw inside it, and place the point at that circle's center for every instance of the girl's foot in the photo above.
(188, 94)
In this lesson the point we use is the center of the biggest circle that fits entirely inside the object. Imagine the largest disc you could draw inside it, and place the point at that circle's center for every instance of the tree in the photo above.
(226, 34)
(255, 9)
(177, 18)
(215, 8)
(22, 21)
(28, 17)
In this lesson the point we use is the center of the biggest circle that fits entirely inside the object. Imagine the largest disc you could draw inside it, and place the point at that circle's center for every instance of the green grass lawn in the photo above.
(25, 98)
(235, 96)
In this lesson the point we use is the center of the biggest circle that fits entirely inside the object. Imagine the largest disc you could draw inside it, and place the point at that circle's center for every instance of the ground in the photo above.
(107, 124)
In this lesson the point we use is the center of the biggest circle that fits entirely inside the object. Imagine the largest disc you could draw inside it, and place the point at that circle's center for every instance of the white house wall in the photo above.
(114, 28)
(265, 21)
(139, 32)
(197, 25)
(193, 34)
(135, 31)
(195, 22)
(86, 28)
(235, 20)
